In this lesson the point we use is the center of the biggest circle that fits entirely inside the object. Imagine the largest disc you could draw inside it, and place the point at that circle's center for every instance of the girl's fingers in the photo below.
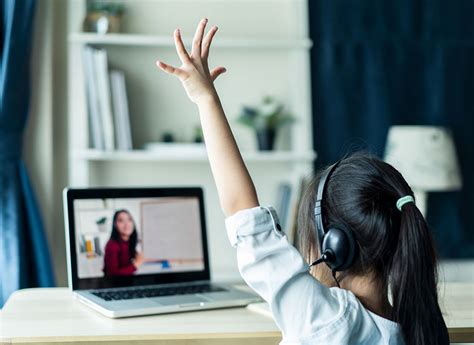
(217, 72)
(207, 42)
(170, 69)
(182, 53)
(197, 41)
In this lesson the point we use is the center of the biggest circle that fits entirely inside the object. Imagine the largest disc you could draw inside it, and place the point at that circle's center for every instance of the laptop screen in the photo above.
(132, 236)
(119, 238)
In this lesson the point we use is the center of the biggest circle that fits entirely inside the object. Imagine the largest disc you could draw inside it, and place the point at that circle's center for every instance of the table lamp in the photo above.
(426, 157)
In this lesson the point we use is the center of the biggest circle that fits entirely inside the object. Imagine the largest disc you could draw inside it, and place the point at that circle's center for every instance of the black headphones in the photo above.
(337, 244)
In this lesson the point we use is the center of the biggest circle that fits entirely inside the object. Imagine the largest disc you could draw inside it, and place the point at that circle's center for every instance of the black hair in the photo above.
(395, 246)
(115, 235)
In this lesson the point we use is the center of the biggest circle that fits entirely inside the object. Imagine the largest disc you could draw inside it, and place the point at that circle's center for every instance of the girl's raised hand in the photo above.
(194, 71)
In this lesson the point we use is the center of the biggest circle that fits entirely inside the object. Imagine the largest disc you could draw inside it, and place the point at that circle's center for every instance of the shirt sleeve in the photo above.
(300, 304)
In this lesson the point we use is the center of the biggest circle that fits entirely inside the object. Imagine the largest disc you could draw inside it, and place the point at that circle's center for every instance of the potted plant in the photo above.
(103, 17)
(102, 224)
(265, 119)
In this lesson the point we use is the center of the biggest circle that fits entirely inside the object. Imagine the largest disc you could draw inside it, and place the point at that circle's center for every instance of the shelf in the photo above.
(167, 41)
(143, 155)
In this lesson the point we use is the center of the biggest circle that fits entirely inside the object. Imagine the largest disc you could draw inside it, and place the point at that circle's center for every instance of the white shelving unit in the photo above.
(167, 41)
(265, 47)
(144, 155)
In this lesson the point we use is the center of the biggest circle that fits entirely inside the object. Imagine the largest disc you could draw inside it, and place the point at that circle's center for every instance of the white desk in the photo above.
(52, 315)
(46, 316)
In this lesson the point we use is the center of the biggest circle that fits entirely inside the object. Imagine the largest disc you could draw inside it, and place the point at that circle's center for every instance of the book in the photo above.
(123, 133)
(82, 244)
(97, 249)
(293, 223)
(95, 121)
(283, 204)
(103, 92)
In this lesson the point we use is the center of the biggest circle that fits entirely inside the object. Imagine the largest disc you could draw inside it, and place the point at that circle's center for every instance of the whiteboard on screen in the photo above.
(172, 229)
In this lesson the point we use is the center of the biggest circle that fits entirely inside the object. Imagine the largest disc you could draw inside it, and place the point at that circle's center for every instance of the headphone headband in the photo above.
(337, 245)
(319, 198)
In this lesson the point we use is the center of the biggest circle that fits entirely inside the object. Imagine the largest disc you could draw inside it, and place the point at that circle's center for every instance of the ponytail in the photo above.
(414, 282)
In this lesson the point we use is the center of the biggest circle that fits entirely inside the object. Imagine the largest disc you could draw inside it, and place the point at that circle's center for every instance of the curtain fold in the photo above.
(24, 255)
(406, 62)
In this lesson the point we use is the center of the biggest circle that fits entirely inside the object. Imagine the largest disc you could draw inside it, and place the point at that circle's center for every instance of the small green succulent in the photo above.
(269, 115)
(101, 220)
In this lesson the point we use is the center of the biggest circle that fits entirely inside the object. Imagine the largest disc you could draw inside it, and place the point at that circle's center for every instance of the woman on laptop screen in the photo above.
(121, 257)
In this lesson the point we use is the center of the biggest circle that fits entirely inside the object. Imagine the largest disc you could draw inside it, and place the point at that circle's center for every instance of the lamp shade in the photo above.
(425, 156)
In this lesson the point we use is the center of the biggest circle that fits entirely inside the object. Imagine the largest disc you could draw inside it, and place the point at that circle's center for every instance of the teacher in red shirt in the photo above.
(121, 257)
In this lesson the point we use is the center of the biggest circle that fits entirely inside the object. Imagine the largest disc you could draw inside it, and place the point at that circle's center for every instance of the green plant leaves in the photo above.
(268, 115)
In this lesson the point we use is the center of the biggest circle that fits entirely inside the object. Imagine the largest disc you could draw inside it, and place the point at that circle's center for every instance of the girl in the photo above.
(393, 247)
(121, 257)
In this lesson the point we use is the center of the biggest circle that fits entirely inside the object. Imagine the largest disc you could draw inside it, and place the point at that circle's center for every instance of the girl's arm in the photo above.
(234, 184)
(267, 261)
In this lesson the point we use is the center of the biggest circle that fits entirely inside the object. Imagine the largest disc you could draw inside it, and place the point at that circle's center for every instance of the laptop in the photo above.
(141, 251)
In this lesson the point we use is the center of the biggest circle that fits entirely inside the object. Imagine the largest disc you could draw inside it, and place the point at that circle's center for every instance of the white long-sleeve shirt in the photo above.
(306, 311)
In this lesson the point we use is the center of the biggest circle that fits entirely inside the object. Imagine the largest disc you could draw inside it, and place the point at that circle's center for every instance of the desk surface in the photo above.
(43, 316)
(53, 315)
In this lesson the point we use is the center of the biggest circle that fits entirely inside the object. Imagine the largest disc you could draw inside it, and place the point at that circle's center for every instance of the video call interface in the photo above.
(136, 236)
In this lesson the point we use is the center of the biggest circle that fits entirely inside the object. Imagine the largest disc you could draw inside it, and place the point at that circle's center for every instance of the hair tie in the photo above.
(404, 200)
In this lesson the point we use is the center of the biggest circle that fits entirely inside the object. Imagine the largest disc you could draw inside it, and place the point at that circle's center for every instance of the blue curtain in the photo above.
(24, 255)
(381, 63)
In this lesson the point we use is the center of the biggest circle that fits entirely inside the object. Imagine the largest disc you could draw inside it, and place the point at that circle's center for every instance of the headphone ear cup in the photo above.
(340, 241)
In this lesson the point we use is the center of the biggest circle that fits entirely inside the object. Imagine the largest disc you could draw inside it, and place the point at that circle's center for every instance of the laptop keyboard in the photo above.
(145, 292)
